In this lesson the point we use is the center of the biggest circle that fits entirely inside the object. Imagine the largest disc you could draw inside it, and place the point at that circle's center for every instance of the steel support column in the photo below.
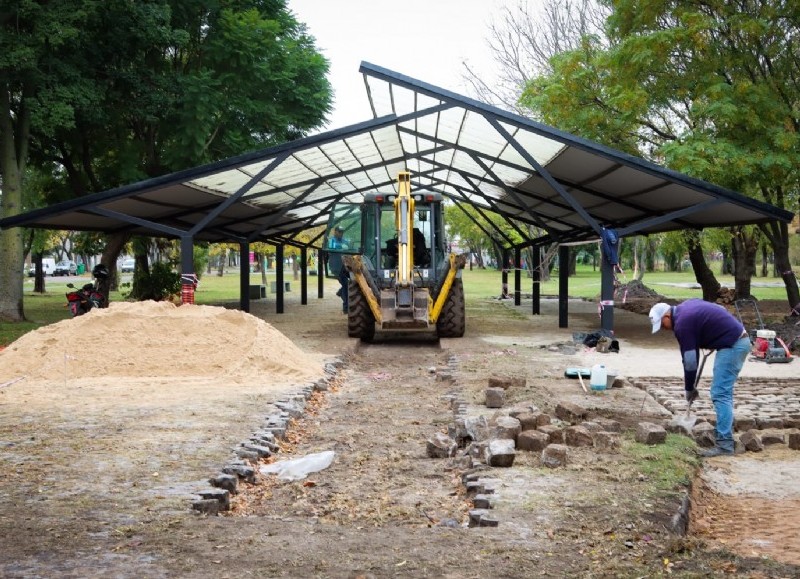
(279, 278)
(517, 276)
(536, 286)
(563, 285)
(304, 276)
(244, 276)
(606, 294)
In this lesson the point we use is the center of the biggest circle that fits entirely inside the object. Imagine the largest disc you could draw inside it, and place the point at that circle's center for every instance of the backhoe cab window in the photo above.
(343, 234)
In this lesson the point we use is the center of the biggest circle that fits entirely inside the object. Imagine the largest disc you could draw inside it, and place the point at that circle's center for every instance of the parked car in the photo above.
(127, 265)
(66, 267)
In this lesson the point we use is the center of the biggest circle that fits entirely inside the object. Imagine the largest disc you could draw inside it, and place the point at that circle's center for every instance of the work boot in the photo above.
(716, 451)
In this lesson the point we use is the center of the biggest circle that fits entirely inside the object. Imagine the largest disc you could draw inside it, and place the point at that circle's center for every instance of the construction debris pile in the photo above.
(636, 297)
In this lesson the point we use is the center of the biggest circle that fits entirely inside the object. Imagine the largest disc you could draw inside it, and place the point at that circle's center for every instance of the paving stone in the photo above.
(751, 441)
(768, 422)
(260, 450)
(220, 495)
(482, 501)
(528, 420)
(770, 438)
(606, 441)
(608, 424)
(495, 397)
(506, 427)
(569, 412)
(477, 428)
(743, 423)
(578, 436)
(244, 471)
(441, 446)
(793, 440)
(500, 453)
(554, 433)
(554, 456)
(206, 506)
(228, 482)
(532, 440)
(704, 434)
(649, 433)
(506, 382)
(475, 516)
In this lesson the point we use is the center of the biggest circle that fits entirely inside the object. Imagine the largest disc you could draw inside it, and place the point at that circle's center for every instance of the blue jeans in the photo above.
(344, 280)
(727, 365)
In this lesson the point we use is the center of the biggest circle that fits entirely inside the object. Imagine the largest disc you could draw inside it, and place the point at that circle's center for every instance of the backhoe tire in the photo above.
(452, 322)
(360, 321)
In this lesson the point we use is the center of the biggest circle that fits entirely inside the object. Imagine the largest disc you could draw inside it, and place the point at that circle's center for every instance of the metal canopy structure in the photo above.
(563, 188)
(472, 153)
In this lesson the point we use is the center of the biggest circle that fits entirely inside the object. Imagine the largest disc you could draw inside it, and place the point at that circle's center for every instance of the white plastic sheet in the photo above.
(299, 468)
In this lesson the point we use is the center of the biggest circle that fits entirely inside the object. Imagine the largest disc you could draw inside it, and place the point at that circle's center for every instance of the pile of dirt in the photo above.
(789, 331)
(636, 297)
(157, 339)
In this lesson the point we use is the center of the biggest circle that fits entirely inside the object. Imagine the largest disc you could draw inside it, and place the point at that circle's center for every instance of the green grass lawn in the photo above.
(43, 309)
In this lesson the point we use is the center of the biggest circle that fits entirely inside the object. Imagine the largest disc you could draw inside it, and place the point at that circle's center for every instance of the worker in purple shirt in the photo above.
(699, 324)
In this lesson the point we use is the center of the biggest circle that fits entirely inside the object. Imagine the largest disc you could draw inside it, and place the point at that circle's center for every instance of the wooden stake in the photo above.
(581, 379)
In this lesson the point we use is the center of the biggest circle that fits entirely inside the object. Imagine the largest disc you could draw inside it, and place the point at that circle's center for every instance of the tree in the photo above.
(706, 88)
(37, 90)
(182, 82)
(522, 43)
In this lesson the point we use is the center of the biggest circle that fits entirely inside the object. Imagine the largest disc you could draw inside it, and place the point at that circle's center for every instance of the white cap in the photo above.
(656, 313)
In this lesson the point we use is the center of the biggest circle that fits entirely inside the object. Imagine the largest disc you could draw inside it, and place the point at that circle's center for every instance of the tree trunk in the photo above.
(13, 154)
(745, 246)
(222, 258)
(726, 262)
(38, 280)
(764, 261)
(778, 235)
(639, 257)
(573, 261)
(702, 273)
(114, 245)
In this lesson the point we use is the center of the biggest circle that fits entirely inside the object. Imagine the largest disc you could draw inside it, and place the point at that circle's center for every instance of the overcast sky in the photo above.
(424, 39)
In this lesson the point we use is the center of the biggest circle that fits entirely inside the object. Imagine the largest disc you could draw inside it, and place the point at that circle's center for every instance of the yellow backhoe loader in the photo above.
(401, 274)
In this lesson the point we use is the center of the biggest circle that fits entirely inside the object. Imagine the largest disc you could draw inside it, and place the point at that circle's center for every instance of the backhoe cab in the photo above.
(401, 275)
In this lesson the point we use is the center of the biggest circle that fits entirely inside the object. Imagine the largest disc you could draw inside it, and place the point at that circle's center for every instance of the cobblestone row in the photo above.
(262, 444)
(758, 402)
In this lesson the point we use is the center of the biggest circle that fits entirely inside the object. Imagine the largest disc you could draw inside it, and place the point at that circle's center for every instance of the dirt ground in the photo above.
(97, 475)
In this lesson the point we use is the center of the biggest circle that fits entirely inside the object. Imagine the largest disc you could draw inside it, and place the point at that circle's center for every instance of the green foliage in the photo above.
(158, 284)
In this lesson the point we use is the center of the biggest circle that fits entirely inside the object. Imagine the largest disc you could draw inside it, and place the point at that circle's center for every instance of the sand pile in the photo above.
(158, 339)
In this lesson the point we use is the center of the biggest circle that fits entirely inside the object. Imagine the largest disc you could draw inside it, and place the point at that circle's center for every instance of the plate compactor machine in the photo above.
(767, 346)
(401, 274)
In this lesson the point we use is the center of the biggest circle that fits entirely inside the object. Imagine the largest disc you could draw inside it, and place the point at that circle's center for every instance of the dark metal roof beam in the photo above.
(137, 221)
(472, 218)
(544, 173)
(242, 190)
(522, 212)
(509, 190)
(502, 162)
(283, 212)
(672, 216)
(490, 222)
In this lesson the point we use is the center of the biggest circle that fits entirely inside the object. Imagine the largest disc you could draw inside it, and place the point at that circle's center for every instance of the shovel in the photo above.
(687, 421)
